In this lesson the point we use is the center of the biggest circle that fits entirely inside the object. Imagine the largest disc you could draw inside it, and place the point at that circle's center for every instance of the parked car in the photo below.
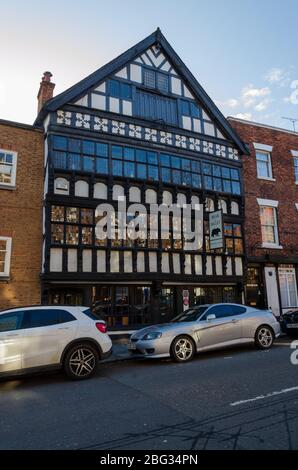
(289, 322)
(40, 337)
(206, 327)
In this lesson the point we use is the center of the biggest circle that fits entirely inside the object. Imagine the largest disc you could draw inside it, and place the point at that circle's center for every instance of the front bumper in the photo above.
(277, 329)
(151, 348)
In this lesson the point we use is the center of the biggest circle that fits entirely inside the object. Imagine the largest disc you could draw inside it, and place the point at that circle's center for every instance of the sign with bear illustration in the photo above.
(216, 230)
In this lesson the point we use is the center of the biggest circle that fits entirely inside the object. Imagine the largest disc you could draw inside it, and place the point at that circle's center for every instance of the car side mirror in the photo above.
(211, 317)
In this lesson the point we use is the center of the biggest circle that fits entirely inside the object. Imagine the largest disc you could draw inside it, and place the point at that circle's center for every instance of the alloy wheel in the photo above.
(183, 349)
(82, 362)
(265, 337)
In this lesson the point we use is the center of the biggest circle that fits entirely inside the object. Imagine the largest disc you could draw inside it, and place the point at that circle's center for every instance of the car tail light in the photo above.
(102, 327)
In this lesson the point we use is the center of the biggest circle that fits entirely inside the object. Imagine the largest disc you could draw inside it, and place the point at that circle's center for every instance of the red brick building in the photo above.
(21, 201)
(271, 206)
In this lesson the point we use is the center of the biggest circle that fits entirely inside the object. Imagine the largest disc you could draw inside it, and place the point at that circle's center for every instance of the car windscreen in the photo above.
(191, 314)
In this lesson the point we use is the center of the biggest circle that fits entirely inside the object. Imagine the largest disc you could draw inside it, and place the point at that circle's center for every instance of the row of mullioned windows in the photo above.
(129, 162)
(74, 226)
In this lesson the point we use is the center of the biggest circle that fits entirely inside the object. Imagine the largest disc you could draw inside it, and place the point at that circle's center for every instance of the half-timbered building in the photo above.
(141, 127)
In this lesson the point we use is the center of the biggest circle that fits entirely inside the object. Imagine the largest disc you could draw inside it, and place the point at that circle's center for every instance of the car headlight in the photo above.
(152, 335)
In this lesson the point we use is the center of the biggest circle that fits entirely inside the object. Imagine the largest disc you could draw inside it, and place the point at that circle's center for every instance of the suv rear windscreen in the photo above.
(90, 314)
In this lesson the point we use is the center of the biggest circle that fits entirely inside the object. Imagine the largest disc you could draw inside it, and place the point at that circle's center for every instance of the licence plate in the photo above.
(292, 325)
(132, 346)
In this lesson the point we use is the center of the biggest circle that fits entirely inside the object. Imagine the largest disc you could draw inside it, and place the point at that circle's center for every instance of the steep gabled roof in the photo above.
(111, 67)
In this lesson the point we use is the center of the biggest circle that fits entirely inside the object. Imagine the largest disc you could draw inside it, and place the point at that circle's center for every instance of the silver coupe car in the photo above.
(206, 327)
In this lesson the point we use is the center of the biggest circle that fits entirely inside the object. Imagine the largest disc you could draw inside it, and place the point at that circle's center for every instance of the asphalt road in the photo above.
(233, 399)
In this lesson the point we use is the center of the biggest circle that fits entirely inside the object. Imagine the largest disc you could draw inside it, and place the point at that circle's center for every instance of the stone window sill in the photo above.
(10, 188)
(265, 178)
(272, 247)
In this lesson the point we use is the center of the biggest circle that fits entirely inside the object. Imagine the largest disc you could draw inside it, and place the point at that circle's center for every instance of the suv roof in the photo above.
(12, 309)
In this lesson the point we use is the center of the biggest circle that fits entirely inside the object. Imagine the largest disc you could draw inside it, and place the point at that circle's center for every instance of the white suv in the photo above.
(40, 337)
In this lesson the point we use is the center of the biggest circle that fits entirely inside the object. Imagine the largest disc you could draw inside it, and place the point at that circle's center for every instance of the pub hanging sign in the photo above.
(216, 235)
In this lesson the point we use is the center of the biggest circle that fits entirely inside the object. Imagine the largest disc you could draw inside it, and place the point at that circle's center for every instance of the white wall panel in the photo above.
(56, 260)
(87, 261)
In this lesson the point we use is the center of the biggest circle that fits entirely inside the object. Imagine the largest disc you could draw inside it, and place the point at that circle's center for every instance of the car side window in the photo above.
(221, 311)
(65, 316)
(40, 317)
(11, 321)
(203, 317)
(238, 310)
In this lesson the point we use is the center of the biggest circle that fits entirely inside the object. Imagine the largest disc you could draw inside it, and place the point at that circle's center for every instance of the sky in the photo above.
(244, 53)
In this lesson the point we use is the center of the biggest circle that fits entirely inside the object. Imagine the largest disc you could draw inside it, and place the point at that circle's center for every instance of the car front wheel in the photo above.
(81, 362)
(182, 349)
(264, 337)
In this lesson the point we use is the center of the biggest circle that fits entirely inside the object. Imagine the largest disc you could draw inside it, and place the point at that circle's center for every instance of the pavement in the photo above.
(237, 398)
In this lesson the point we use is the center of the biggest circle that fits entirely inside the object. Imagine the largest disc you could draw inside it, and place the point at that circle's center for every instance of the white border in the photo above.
(264, 147)
(267, 202)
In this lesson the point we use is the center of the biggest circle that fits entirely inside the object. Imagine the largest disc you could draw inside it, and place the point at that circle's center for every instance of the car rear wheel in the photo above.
(264, 337)
(182, 349)
(81, 362)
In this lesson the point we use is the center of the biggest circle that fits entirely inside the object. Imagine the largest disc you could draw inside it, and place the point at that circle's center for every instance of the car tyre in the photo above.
(81, 361)
(264, 337)
(182, 349)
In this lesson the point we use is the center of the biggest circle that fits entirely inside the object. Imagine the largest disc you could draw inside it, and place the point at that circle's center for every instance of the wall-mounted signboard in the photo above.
(216, 230)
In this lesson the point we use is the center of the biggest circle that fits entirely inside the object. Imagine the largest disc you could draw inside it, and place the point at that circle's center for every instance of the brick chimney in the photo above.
(46, 90)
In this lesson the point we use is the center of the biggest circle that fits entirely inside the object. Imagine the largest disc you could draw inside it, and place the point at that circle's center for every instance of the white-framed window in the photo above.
(295, 161)
(268, 217)
(5, 255)
(288, 287)
(8, 168)
(263, 160)
(264, 168)
(296, 168)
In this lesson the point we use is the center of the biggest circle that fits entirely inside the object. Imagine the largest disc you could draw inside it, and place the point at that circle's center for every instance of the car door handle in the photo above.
(13, 334)
(234, 320)
(64, 328)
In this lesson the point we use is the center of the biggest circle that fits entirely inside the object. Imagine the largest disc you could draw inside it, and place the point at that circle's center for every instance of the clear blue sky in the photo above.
(244, 53)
